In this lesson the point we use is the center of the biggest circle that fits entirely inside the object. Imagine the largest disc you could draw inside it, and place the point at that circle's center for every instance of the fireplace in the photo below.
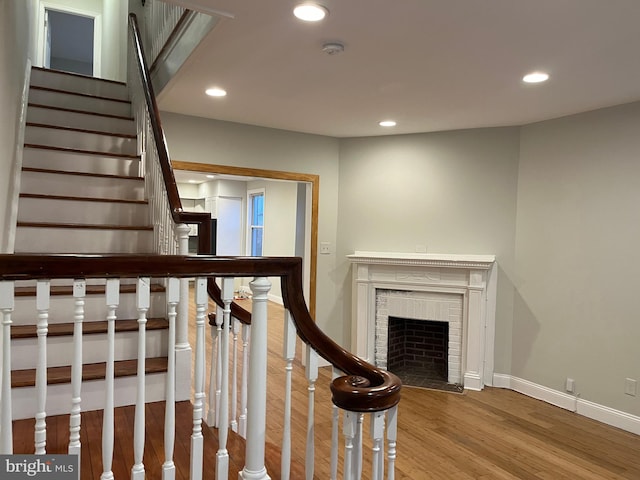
(458, 290)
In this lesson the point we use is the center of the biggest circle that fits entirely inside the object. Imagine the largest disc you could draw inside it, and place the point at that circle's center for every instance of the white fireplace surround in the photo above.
(471, 276)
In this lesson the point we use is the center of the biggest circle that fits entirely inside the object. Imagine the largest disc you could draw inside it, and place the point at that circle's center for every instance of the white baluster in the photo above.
(197, 441)
(312, 377)
(357, 448)
(173, 297)
(212, 416)
(350, 423)
(112, 301)
(377, 435)
(244, 386)
(143, 300)
(218, 364)
(183, 348)
(79, 292)
(6, 427)
(254, 468)
(43, 288)
(392, 436)
(234, 376)
(335, 419)
(289, 353)
(222, 457)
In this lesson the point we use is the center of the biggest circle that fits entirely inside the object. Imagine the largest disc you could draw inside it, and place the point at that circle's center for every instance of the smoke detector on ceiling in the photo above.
(333, 48)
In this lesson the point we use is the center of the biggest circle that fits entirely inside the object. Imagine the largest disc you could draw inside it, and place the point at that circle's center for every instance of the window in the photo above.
(256, 222)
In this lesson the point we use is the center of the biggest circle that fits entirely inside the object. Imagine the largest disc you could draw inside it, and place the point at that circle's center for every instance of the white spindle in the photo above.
(357, 448)
(244, 386)
(183, 348)
(112, 301)
(377, 436)
(392, 436)
(197, 440)
(350, 424)
(335, 419)
(6, 428)
(212, 415)
(289, 353)
(79, 292)
(234, 375)
(173, 297)
(312, 377)
(222, 457)
(143, 300)
(43, 289)
(254, 468)
(218, 364)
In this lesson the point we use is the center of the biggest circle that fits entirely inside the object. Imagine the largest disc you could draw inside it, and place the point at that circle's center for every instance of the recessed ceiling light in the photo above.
(535, 77)
(211, 176)
(193, 181)
(310, 12)
(387, 123)
(216, 92)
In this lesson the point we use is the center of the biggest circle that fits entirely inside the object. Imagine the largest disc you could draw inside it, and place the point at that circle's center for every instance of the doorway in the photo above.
(69, 39)
(306, 225)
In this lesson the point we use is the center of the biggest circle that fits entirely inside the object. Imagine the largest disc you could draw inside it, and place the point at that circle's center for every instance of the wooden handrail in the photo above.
(177, 213)
(364, 388)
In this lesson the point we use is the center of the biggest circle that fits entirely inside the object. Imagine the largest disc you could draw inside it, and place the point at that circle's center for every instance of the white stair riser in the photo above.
(94, 348)
(82, 241)
(81, 186)
(62, 308)
(79, 162)
(59, 396)
(94, 142)
(85, 212)
(87, 121)
(79, 102)
(75, 83)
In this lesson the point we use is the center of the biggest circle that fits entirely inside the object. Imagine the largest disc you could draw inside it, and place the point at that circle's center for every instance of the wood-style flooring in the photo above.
(493, 434)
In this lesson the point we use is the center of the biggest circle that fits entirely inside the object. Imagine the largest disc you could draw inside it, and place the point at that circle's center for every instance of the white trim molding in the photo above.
(595, 411)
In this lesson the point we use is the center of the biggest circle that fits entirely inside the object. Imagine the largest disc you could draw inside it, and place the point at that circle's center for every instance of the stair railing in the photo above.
(363, 389)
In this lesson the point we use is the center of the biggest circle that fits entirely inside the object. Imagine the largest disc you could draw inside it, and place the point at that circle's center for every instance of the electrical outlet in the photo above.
(570, 385)
(630, 387)
(325, 248)
(421, 249)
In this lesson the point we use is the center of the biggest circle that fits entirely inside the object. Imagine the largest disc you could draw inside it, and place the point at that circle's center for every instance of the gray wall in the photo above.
(454, 192)
(14, 50)
(576, 253)
(556, 201)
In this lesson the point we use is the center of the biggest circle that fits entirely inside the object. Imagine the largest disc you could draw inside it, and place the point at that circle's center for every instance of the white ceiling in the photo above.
(428, 64)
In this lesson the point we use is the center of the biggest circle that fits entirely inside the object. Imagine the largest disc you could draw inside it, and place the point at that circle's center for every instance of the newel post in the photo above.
(183, 348)
(254, 468)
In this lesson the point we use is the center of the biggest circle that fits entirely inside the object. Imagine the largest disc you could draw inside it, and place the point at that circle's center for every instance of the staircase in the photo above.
(81, 192)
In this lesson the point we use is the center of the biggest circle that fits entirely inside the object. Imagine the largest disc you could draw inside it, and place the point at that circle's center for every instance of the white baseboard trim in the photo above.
(601, 413)
(275, 299)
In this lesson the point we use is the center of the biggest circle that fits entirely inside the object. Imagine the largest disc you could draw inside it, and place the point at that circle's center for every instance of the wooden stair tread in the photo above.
(80, 130)
(79, 94)
(90, 289)
(81, 199)
(88, 328)
(82, 174)
(90, 371)
(83, 152)
(84, 225)
(84, 112)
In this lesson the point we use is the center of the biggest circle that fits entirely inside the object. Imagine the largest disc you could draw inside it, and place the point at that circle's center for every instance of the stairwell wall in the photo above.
(15, 50)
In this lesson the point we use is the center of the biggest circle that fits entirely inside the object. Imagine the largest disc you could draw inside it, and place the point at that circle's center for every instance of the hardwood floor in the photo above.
(493, 434)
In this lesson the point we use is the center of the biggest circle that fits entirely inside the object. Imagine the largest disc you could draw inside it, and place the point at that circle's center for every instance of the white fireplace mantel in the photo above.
(472, 276)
